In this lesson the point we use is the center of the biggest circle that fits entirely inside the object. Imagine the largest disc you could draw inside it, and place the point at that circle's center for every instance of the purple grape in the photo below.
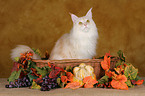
(7, 86)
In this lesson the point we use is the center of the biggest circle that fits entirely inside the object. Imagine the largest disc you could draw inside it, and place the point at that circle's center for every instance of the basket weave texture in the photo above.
(95, 63)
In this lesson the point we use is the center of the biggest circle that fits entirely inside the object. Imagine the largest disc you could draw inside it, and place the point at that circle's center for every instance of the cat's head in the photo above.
(85, 23)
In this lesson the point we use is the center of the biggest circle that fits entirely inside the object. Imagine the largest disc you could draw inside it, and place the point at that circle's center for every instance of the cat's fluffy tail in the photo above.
(22, 49)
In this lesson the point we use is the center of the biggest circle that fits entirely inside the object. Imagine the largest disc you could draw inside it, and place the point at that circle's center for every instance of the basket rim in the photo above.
(71, 60)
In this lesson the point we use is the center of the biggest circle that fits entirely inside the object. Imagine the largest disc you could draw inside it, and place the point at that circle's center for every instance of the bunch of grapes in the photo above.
(48, 83)
(21, 82)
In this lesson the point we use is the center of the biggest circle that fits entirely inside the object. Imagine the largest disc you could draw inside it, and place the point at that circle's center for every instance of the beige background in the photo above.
(39, 23)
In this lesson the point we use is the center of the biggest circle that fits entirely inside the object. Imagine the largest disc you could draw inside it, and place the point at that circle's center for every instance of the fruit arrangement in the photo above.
(25, 73)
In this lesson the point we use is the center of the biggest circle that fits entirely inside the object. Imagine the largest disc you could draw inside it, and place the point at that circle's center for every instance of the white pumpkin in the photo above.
(83, 71)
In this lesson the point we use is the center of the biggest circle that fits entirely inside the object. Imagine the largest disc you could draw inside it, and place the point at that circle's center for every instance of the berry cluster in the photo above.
(21, 82)
(48, 83)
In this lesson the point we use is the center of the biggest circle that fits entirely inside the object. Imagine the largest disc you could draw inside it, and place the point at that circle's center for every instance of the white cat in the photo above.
(80, 43)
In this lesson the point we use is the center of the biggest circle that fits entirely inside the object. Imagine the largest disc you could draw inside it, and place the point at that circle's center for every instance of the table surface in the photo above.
(136, 91)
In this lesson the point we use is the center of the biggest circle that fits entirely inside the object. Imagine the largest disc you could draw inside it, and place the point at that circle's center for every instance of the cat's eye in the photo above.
(88, 21)
(80, 23)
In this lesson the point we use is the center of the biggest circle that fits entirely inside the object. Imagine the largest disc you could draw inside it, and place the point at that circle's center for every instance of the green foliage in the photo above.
(119, 63)
(41, 71)
(37, 51)
(121, 56)
(16, 59)
(131, 72)
(129, 84)
(35, 85)
(68, 68)
(31, 77)
(14, 75)
(31, 64)
(103, 80)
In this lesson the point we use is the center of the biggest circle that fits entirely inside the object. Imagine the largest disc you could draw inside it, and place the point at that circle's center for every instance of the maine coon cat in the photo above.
(80, 43)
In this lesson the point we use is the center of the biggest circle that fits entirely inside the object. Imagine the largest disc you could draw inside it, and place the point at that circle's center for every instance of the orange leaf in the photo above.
(119, 82)
(121, 78)
(64, 79)
(73, 85)
(106, 63)
(119, 85)
(139, 82)
(119, 70)
(88, 86)
(109, 73)
(89, 82)
(49, 64)
(69, 76)
(108, 54)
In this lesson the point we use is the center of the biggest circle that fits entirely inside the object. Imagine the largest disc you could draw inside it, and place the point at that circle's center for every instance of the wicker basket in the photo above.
(96, 63)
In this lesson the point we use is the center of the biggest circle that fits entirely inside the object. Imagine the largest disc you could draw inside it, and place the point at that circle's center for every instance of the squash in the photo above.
(83, 71)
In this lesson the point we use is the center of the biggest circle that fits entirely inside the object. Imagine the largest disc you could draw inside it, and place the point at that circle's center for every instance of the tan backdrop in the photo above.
(39, 23)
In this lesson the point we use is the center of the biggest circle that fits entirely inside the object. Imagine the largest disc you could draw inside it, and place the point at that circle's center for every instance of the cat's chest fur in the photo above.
(75, 46)
(84, 44)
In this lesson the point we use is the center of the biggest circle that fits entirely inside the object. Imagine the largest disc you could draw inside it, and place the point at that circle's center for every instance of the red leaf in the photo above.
(108, 54)
(73, 85)
(55, 71)
(69, 76)
(106, 63)
(109, 73)
(133, 82)
(89, 82)
(39, 80)
(35, 72)
(139, 82)
(64, 79)
(15, 67)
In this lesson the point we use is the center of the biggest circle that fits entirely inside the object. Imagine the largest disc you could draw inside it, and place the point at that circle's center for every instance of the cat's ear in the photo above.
(89, 13)
(73, 17)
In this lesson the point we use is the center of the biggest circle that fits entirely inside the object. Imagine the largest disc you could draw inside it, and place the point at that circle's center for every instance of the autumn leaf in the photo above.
(131, 72)
(69, 76)
(119, 82)
(119, 85)
(14, 75)
(119, 70)
(55, 71)
(129, 84)
(34, 71)
(73, 85)
(89, 82)
(103, 80)
(138, 82)
(35, 86)
(39, 80)
(16, 59)
(121, 55)
(109, 73)
(108, 54)
(41, 71)
(49, 64)
(106, 63)
(64, 79)
(15, 67)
